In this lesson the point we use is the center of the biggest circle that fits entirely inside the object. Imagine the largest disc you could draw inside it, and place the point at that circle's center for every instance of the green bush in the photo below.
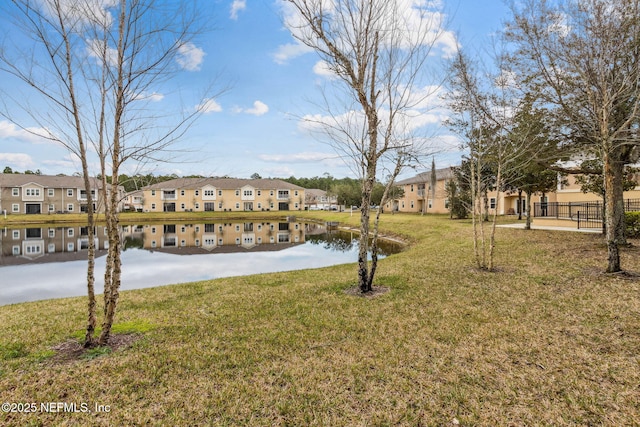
(632, 220)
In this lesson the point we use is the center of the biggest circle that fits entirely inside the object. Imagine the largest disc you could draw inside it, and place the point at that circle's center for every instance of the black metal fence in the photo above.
(586, 214)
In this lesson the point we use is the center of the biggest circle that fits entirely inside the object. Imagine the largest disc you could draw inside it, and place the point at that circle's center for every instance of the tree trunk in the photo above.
(364, 279)
(519, 205)
(614, 209)
(527, 225)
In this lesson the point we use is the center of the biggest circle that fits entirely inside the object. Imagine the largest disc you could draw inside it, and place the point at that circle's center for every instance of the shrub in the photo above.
(632, 220)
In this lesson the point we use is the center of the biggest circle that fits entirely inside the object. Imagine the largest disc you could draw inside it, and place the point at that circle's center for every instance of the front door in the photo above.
(32, 208)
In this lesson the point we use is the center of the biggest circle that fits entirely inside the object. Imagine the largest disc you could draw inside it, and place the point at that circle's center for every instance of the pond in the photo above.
(43, 262)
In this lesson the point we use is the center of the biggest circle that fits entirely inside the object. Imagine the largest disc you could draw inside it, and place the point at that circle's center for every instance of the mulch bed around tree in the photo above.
(375, 291)
(73, 350)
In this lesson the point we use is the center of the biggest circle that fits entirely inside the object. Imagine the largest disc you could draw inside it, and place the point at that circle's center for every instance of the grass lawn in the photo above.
(547, 340)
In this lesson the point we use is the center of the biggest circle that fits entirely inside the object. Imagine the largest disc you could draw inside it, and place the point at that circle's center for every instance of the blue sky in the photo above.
(253, 127)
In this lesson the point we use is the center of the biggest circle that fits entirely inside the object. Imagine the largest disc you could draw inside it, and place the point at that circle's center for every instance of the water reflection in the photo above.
(50, 262)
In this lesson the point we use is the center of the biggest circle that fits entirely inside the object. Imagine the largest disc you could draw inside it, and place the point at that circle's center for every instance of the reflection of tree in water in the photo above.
(341, 241)
(337, 241)
(133, 243)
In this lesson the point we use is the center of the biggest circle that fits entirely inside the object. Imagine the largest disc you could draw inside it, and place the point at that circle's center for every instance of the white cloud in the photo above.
(154, 97)
(90, 10)
(237, 6)
(96, 49)
(321, 68)
(305, 157)
(190, 57)
(209, 106)
(20, 160)
(288, 51)
(30, 134)
(259, 109)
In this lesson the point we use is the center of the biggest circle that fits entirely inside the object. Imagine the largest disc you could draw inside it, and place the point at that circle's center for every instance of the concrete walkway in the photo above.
(544, 227)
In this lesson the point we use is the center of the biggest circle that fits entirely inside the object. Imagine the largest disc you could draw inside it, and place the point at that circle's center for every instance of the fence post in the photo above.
(578, 220)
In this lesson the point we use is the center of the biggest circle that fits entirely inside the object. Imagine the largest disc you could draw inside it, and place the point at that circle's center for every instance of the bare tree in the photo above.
(377, 51)
(583, 58)
(488, 106)
(98, 66)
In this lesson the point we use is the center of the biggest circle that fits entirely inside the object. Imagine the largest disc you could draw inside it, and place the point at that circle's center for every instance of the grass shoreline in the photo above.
(547, 340)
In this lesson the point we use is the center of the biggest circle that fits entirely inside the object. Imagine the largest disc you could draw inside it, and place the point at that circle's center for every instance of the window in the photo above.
(219, 205)
(70, 232)
(33, 192)
(153, 192)
(412, 189)
(446, 203)
(183, 243)
(492, 203)
(412, 203)
(52, 232)
(237, 227)
(259, 192)
(283, 194)
(271, 193)
(182, 193)
(16, 234)
(248, 193)
(182, 206)
(153, 244)
(430, 203)
(248, 226)
(237, 240)
(197, 242)
(70, 247)
(15, 192)
(52, 208)
(50, 192)
(197, 192)
(237, 192)
(209, 228)
(153, 206)
(259, 205)
(197, 205)
(70, 192)
(219, 192)
(295, 193)
(51, 248)
(197, 228)
(209, 193)
(183, 229)
(15, 250)
(70, 207)
(32, 249)
(237, 205)
(153, 230)
(15, 207)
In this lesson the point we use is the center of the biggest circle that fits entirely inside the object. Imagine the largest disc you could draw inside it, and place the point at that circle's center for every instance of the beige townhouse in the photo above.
(419, 195)
(42, 194)
(222, 195)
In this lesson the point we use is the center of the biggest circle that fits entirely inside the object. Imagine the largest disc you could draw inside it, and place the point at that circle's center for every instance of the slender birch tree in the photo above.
(378, 53)
(99, 65)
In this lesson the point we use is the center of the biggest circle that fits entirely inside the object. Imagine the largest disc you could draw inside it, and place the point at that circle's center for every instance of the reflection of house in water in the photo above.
(48, 244)
(222, 236)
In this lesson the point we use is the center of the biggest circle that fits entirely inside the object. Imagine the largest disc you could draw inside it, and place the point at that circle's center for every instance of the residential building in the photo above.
(419, 196)
(222, 194)
(41, 194)
(320, 200)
